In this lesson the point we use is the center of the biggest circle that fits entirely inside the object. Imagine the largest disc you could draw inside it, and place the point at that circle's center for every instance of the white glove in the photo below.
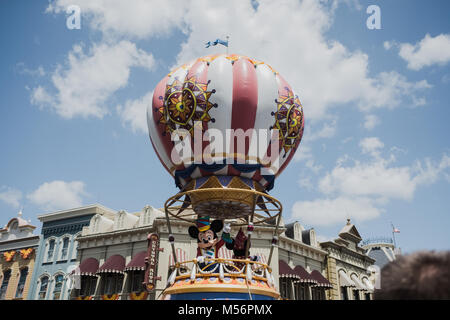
(200, 259)
(227, 228)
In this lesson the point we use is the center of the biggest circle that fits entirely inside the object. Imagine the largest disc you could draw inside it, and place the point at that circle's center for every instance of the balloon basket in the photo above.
(221, 279)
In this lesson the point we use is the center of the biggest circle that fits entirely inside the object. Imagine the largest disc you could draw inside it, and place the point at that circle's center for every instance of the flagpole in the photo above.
(393, 235)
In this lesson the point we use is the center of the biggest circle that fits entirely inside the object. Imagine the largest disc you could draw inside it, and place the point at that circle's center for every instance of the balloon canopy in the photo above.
(218, 95)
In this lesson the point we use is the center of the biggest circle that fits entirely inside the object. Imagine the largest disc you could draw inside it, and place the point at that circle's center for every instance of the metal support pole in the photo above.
(171, 235)
(276, 234)
(247, 246)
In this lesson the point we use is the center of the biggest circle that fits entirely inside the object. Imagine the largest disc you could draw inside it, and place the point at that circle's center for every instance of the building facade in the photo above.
(18, 247)
(301, 264)
(57, 254)
(97, 253)
(348, 266)
(111, 255)
(112, 252)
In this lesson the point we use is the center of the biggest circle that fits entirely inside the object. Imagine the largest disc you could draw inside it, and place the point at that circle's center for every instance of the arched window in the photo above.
(59, 280)
(75, 247)
(43, 288)
(298, 231)
(50, 250)
(64, 249)
(21, 284)
(5, 282)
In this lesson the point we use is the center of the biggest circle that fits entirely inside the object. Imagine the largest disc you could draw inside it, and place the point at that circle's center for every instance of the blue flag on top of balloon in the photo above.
(216, 42)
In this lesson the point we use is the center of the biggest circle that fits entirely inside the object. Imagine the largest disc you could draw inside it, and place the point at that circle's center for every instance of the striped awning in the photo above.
(359, 284)
(137, 262)
(88, 267)
(181, 256)
(286, 271)
(368, 284)
(321, 280)
(114, 264)
(344, 280)
(305, 277)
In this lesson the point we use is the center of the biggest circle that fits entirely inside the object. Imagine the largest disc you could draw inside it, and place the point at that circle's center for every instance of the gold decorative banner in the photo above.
(138, 296)
(113, 296)
(9, 255)
(26, 253)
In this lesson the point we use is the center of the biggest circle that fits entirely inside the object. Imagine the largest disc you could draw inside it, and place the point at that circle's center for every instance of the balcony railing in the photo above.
(380, 240)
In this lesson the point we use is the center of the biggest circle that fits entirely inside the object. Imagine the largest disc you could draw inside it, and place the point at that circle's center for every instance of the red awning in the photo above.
(114, 264)
(321, 280)
(304, 275)
(88, 267)
(285, 271)
(138, 262)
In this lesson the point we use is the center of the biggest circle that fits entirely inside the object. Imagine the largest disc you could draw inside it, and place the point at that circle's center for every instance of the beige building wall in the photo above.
(16, 265)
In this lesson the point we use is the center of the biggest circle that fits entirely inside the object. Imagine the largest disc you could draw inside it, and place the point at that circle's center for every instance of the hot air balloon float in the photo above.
(224, 126)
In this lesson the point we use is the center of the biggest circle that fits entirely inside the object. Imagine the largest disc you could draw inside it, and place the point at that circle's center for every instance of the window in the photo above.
(59, 279)
(355, 294)
(51, 250)
(136, 280)
(88, 284)
(43, 288)
(301, 291)
(285, 291)
(344, 293)
(75, 247)
(318, 293)
(112, 283)
(64, 249)
(5, 282)
(367, 294)
(21, 284)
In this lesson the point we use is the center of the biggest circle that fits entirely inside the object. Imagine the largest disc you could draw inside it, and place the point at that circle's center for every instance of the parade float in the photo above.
(224, 126)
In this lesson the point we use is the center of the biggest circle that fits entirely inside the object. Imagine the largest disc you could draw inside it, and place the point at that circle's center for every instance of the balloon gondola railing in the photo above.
(221, 279)
(218, 94)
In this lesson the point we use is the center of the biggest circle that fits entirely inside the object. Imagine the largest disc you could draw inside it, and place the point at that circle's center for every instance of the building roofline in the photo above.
(74, 212)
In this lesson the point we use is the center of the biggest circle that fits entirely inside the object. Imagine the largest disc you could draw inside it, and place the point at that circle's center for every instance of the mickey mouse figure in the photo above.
(207, 239)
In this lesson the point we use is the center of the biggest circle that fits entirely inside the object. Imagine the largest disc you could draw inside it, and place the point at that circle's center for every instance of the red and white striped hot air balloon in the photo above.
(226, 92)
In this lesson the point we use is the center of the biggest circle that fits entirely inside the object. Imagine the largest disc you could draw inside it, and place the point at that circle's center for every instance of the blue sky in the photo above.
(375, 148)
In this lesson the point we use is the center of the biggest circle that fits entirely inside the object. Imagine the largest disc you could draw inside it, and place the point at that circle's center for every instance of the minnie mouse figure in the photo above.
(207, 239)
(238, 245)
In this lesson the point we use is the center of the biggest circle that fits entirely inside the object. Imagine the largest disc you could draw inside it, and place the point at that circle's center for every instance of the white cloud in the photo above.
(369, 179)
(323, 71)
(426, 52)
(11, 196)
(360, 190)
(58, 195)
(390, 90)
(88, 80)
(380, 179)
(22, 69)
(140, 19)
(322, 212)
(328, 130)
(371, 121)
(371, 146)
(133, 113)
(387, 45)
